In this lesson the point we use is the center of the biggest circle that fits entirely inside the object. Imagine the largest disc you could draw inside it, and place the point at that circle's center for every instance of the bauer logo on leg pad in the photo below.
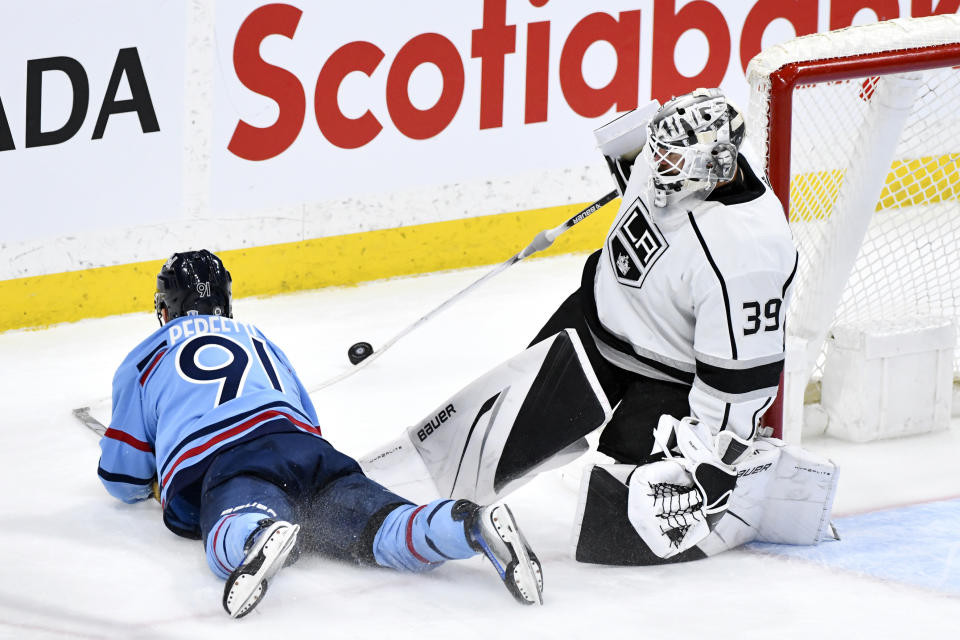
(434, 423)
(760, 468)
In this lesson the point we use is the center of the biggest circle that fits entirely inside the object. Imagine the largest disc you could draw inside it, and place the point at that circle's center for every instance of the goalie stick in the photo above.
(540, 242)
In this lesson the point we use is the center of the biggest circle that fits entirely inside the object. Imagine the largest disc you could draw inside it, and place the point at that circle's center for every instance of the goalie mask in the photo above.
(692, 145)
(193, 283)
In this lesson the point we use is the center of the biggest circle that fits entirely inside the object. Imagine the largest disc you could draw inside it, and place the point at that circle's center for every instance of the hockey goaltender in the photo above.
(672, 347)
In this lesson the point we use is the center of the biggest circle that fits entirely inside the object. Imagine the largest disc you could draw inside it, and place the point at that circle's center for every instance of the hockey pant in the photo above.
(527, 415)
(295, 477)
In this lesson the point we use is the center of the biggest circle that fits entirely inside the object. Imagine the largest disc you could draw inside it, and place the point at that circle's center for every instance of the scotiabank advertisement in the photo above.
(318, 101)
(127, 127)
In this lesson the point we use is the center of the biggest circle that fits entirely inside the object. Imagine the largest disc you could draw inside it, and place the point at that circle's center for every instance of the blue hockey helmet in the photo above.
(193, 283)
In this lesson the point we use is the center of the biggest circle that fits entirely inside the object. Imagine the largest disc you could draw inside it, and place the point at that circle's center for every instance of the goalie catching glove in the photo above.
(675, 503)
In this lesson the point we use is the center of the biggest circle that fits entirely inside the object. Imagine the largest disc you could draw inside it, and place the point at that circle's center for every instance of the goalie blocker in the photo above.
(783, 494)
(525, 416)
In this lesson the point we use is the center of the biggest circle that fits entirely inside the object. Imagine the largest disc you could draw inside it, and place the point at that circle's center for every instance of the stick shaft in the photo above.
(543, 240)
(580, 217)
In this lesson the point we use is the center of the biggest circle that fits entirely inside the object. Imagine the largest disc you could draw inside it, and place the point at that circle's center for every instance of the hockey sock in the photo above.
(226, 541)
(418, 538)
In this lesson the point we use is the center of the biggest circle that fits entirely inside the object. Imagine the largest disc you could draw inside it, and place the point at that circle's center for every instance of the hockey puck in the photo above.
(359, 352)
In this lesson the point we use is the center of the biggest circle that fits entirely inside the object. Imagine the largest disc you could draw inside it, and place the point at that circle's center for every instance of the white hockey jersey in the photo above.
(697, 293)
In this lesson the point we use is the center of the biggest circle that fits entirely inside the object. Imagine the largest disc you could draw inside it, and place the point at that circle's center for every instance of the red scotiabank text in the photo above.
(494, 43)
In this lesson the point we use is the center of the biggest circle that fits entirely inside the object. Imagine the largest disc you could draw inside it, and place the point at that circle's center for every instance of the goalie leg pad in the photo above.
(745, 507)
(505, 427)
(398, 466)
(799, 499)
(784, 494)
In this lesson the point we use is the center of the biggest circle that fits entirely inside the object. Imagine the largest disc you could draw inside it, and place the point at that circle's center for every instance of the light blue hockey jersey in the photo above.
(196, 385)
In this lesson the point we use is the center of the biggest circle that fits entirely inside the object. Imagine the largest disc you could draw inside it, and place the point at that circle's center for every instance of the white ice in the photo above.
(75, 563)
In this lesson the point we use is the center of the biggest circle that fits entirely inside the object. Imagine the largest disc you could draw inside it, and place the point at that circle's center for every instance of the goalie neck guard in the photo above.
(193, 283)
(692, 145)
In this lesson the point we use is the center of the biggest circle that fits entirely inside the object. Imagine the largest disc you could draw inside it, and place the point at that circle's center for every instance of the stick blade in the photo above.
(83, 415)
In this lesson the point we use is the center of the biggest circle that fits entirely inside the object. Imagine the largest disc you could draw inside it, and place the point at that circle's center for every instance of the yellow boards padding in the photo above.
(40, 301)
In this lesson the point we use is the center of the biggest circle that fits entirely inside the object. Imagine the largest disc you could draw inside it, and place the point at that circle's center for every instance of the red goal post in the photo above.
(823, 109)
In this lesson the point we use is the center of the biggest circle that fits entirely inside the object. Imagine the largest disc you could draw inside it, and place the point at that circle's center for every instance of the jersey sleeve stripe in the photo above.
(723, 284)
(789, 280)
(786, 287)
(739, 381)
(758, 413)
(153, 363)
(125, 479)
(216, 535)
(408, 535)
(126, 438)
(146, 360)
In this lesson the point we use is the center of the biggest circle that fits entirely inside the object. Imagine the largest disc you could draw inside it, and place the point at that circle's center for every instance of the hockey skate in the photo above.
(493, 531)
(271, 544)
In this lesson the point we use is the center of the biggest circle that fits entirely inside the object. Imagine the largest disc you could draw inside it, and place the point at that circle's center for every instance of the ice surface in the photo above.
(915, 544)
(78, 564)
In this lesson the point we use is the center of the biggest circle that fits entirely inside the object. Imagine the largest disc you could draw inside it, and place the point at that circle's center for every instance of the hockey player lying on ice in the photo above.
(213, 410)
(678, 324)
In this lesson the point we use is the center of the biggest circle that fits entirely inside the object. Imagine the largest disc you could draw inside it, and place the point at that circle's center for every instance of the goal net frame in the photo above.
(901, 46)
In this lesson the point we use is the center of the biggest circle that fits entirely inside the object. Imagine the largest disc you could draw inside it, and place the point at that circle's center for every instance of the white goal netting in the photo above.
(874, 176)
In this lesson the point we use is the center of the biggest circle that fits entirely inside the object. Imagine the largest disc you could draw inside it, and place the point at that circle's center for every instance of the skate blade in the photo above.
(524, 576)
(246, 590)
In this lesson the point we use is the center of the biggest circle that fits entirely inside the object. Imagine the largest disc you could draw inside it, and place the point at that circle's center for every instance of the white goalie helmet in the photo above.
(692, 144)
